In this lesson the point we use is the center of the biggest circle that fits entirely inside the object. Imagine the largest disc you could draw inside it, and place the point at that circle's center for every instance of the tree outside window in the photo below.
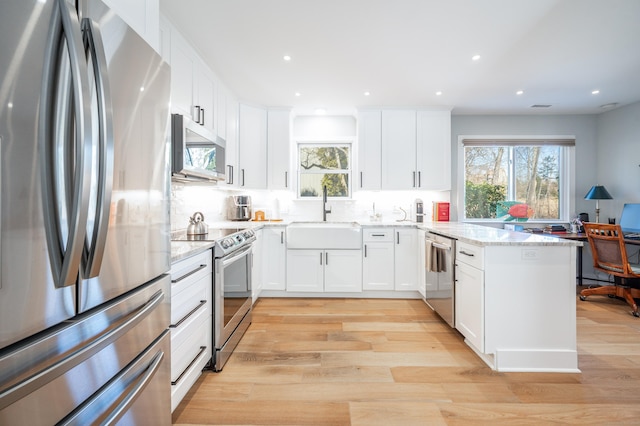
(324, 165)
(499, 177)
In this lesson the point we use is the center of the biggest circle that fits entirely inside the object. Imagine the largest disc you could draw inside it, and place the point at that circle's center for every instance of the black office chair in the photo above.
(610, 256)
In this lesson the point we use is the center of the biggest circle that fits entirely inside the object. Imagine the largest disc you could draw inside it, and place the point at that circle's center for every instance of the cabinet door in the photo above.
(221, 110)
(253, 147)
(469, 304)
(206, 96)
(422, 277)
(399, 149)
(434, 150)
(256, 266)
(183, 66)
(377, 266)
(305, 270)
(369, 150)
(274, 259)
(343, 271)
(141, 15)
(406, 259)
(231, 150)
(278, 145)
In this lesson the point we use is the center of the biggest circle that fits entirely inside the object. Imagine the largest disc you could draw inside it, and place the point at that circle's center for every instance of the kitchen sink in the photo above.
(324, 235)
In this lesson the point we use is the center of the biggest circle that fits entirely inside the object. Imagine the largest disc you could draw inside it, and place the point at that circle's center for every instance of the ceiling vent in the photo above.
(540, 106)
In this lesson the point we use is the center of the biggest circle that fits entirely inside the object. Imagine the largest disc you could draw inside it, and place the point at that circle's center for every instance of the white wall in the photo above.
(618, 158)
(583, 127)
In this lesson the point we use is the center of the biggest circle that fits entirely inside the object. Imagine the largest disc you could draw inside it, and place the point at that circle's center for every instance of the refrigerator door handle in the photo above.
(95, 243)
(65, 250)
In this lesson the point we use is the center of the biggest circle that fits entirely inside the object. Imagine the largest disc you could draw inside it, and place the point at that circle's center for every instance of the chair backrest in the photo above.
(608, 249)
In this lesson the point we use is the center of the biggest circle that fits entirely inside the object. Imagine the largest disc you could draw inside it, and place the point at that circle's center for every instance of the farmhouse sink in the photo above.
(324, 235)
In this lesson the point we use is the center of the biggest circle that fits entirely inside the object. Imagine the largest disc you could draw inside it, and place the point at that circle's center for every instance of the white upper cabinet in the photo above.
(205, 97)
(434, 150)
(193, 85)
(399, 149)
(141, 15)
(183, 66)
(404, 149)
(231, 137)
(279, 148)
(252, 147)
(369, 150)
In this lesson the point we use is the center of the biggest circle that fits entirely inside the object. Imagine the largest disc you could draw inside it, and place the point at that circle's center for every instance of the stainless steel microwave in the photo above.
(197, 152)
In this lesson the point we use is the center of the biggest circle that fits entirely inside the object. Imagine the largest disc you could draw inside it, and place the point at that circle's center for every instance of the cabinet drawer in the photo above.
(377, 234)
(191, 268)
(470, 254)
(186, 343)
(190, 353)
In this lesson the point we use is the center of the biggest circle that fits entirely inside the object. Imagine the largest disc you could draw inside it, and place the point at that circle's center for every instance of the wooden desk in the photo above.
(581, 237)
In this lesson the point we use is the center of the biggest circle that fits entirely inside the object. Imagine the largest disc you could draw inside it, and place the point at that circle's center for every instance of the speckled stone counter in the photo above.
(183, 249)
(488, 236)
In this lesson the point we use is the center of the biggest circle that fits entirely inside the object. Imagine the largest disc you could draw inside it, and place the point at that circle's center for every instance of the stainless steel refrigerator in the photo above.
(84, 218)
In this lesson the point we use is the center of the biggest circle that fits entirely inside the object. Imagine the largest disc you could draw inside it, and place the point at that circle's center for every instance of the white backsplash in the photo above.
(210, 199)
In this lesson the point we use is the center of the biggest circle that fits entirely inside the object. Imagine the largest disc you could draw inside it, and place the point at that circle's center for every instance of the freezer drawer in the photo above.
(45, 378)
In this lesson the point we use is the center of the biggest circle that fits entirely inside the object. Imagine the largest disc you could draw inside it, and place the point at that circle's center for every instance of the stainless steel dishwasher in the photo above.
(439, 275)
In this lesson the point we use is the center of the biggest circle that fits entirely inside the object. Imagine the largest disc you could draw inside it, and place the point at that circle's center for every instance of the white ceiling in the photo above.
(403, 51)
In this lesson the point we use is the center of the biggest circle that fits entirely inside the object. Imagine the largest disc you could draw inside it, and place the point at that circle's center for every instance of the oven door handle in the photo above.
(229, 259)
(440, 246)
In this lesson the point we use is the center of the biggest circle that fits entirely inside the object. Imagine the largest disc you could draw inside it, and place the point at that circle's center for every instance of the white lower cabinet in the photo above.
(257, 261)
(469, 303)
(191, 333)
(406, 254)
(377, 259)
(324, 270)
(274, 257)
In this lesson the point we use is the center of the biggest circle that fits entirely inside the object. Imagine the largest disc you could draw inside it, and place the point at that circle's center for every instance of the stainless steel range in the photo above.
(233, 258)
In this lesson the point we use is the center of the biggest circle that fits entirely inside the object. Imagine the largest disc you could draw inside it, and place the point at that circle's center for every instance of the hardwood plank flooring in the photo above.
(387, 362)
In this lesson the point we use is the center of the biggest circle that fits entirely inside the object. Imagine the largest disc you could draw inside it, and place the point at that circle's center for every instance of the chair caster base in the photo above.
(636, 314)
(583, 298)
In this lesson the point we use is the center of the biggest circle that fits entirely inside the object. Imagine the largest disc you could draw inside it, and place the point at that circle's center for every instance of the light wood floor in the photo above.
(386, 362)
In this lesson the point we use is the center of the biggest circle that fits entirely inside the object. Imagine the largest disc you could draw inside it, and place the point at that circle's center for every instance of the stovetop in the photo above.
(226, 240)
(212, 235)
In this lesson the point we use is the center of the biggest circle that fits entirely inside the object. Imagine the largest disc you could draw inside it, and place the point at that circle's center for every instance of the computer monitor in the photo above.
(630, 218)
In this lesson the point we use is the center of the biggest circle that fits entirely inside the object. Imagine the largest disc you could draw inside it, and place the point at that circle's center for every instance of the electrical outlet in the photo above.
(529, 254)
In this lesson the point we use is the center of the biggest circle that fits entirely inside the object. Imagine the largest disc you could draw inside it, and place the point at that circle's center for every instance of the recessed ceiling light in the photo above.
(10, 105)
(438, 93)
(320, 111)
(519, 92)
(595, 92)
(286, 58)
(366, 93)
(142, 88)
(475, 58)
(298, 94)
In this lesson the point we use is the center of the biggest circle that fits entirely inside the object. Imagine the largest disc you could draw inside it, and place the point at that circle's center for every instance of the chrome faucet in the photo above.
(324, 204)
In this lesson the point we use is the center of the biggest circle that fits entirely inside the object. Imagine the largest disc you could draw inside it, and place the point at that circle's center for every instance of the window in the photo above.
(322, 165)
(516, 180)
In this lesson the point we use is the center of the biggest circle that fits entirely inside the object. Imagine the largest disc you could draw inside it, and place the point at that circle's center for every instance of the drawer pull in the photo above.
(188, 274)
(378, 235)
(193, 311)
(467, 254)
(176, 381)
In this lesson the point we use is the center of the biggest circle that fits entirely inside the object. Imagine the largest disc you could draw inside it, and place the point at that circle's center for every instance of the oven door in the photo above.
(231, 293)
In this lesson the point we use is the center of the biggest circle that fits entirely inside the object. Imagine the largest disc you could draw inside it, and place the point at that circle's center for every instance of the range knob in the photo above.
(226, 243)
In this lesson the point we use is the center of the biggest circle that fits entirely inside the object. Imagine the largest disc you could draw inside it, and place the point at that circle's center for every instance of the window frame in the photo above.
(567, 171)
(324, 144)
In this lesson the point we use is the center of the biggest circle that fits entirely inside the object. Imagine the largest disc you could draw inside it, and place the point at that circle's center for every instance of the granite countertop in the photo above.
(184, 249)
(488, 236)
